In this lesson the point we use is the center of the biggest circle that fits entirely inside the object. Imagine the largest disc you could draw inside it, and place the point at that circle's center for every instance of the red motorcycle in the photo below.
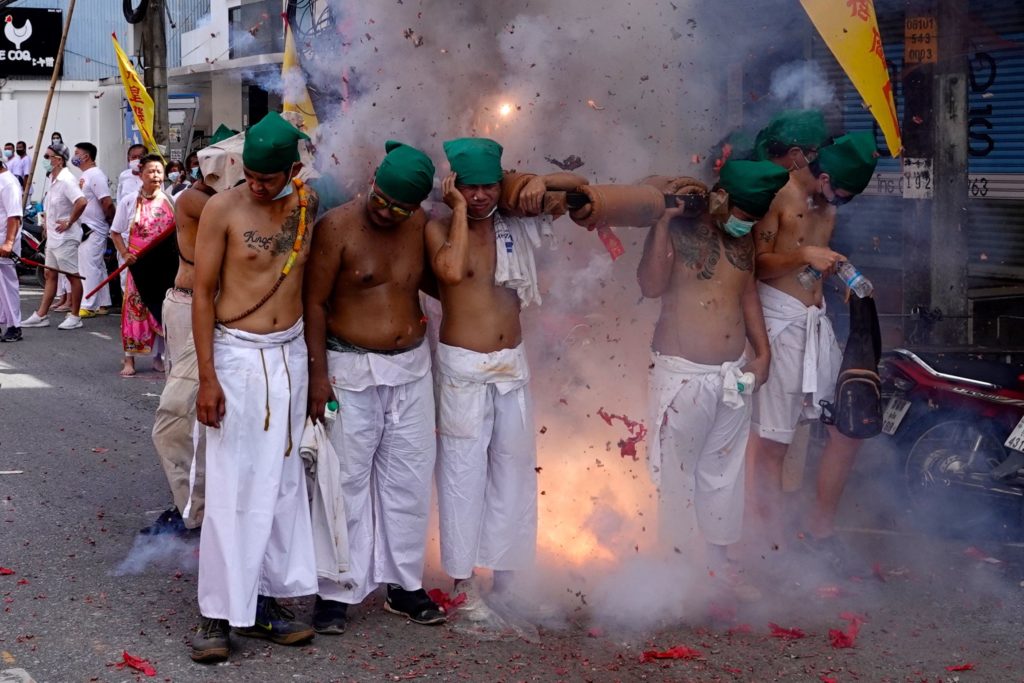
(956, 418)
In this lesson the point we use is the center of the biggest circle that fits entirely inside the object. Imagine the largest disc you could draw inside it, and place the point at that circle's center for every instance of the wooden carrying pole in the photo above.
(49, 98)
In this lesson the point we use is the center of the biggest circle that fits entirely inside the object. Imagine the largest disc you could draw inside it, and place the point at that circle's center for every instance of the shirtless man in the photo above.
(702, 268)
(486, 482)
(805, 355)
(176, 414)
(251, 250)
(365, 331)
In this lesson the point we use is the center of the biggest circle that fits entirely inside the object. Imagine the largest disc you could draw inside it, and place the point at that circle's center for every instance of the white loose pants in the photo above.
(385, 439)
(486, 460)
(94, 270)
(256, 538)
(10, 289)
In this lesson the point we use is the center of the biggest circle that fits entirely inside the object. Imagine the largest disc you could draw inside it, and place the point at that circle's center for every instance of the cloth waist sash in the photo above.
(252, 340)
(356, 370)
(506, 369)
(782, 311)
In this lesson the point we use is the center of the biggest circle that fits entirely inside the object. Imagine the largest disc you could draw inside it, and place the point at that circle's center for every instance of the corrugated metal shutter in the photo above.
(186, 15)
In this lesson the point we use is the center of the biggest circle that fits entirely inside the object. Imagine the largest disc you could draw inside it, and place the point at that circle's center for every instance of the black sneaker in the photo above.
(169, 522)
(13, 334)
(415, 605)
(329, 617)
(276, 624)
(210, 643)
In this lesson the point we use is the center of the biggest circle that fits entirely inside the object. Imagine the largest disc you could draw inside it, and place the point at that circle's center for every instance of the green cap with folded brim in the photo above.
(850, 161)
(804, 128)
(272, 145)
(475, 161)
(752, 185)
(222, 133)
(406, 174)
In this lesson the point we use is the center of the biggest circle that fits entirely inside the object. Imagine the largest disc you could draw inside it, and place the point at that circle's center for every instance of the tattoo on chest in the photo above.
(281, 242)
(767, 236)
(697, 247)
(740, 252)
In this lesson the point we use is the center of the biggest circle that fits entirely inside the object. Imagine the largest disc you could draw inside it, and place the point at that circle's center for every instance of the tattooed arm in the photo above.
(655, 270)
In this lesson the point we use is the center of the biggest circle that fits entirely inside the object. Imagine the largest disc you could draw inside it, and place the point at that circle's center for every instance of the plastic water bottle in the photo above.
(809, 277)
(330, 415)
(746, 383)
(853, 279)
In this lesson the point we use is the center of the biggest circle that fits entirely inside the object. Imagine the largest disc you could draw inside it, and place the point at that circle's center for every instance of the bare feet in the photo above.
(128, 370)
(158, 364)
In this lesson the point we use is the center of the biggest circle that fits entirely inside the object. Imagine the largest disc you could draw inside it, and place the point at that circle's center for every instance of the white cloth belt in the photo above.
(506, 369)
(781, 311)
(515, 266)
(667, 376)
(326, 501)
(253, 340)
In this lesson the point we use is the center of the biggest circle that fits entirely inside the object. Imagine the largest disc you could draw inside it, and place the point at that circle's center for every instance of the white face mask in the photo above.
(47, 166)
(133, 165)
(173, 176)
(288, 188)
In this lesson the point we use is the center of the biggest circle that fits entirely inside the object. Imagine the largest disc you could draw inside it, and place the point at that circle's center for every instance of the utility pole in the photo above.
(154, 59)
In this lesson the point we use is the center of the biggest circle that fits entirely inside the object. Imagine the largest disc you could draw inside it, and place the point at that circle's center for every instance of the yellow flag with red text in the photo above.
(850, 29)
(138, 99)
(296, 96)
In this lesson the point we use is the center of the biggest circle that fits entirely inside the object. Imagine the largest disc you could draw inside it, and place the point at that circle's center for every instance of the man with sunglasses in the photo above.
(806, 357)
(365, 332)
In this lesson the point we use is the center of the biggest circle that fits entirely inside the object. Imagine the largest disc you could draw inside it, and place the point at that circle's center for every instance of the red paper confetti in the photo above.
(677, 652)
(637, 432)
(100, 450)
(4, 571)
(877, 572)
(136, 663)
(830, 591)
(960, 667)
(786, 633)
(447, 603)
(611, 242)
(847, 638)
(829, 679)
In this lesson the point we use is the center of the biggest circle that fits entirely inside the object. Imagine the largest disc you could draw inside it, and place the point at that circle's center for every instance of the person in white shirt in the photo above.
(10, 226)
(129, 181)
(63, 206)
(22, 162)
(96, 223)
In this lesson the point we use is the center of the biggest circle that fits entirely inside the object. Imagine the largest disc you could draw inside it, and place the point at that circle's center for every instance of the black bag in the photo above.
(857, 411)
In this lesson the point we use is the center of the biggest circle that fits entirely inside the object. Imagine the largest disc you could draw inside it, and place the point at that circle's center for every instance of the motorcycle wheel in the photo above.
(947, 468)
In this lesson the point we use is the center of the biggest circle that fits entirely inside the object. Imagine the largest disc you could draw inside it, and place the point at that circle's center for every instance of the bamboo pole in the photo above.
(49, 98)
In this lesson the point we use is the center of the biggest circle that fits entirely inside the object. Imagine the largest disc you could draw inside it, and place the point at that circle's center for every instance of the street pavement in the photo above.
(79, 478)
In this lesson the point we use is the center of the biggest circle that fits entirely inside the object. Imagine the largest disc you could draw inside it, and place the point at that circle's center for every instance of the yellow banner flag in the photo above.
(138, 99)
(296, 96)
(850, 29)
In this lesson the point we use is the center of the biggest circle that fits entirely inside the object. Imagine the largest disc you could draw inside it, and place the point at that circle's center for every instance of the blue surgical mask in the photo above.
(76, 162)
(173, 176)
(8, 153)
(288, 188)
(47, 166)
(737, 227)
(194, 172)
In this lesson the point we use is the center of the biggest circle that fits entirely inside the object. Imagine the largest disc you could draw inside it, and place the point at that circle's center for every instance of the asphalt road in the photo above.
(79, 478)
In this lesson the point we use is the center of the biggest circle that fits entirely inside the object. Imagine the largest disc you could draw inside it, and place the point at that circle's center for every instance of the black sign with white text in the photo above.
(29, 41)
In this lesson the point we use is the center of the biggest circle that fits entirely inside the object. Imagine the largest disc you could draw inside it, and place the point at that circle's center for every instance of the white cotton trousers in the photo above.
(94, 270)
(486, 460)
(10, 289)
(256, 538)
(386, 442)
(702, 442)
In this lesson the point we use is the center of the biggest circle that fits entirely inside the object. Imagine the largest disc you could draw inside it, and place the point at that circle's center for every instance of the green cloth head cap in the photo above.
(752, 185)
(406, 174)
(272, 145)
(804, 128)
(475, 161)
(850, 161)
(222, 133)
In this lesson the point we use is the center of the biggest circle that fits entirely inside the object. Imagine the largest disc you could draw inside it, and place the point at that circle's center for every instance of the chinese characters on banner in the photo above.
(138, 99)
(852, 35)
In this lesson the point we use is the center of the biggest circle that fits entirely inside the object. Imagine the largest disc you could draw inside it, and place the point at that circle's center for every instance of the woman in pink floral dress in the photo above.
(141, 218)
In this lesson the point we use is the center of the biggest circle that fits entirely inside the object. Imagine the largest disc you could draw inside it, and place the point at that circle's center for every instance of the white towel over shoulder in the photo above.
(515, 266)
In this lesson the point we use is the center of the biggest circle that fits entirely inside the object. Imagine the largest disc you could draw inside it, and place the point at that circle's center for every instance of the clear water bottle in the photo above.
(330, 415)
(746, 383)
(853, 279)
(809, 277)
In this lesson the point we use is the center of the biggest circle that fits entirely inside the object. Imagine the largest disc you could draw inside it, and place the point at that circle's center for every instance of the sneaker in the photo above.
(169, 522)
(210, 643)
(71, 322)
(86, 313)
(276, 624)
(35, 320)
(415, 605)
(329, 617)
(13, 334)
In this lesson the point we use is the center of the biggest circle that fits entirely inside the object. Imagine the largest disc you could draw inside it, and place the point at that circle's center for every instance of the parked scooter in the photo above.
(956, 418)
(33, 243)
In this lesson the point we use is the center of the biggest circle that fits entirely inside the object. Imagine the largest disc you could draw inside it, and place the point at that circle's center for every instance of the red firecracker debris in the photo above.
(677, 652)
(596, 632)
(829, 679)
(830, 591)
(960, 667)
(847, 638)
(877, 572)
(100, 449)
(637, 432)
(611, 242)
(137, 663)
(4, 571)
(786, 633)
(726, 153)
(447, 603)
